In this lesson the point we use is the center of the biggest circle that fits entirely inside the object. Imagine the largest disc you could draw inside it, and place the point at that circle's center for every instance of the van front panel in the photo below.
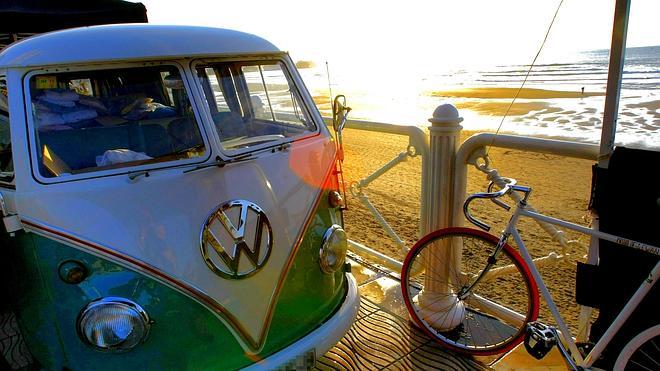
(159, 220)
(233, 223)
(184, 335)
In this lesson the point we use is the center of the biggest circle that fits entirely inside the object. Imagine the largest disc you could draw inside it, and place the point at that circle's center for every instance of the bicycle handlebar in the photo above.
(509, 186)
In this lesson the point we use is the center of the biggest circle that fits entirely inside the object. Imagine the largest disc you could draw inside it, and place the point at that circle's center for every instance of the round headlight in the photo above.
(113, 324)
(333, 249)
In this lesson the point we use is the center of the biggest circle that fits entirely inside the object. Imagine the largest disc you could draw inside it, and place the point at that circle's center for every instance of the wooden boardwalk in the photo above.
(382, 338)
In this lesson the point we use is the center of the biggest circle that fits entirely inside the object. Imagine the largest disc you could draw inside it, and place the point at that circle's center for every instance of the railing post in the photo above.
(444, 136)
(437, 296)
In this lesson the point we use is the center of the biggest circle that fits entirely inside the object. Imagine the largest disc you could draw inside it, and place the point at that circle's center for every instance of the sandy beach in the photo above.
(560, 101)
(561, 189)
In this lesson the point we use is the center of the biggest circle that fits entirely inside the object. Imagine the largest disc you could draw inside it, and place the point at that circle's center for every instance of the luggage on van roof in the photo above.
(23, 18)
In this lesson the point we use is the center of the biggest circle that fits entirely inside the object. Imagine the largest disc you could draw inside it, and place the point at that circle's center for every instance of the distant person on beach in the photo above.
(583, 90)
(258, 106)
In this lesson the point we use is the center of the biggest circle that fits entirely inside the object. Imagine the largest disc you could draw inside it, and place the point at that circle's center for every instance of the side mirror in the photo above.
(339, 113)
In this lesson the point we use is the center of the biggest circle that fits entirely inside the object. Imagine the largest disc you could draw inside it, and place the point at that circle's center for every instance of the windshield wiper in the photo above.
(219, 162)
(194, 148)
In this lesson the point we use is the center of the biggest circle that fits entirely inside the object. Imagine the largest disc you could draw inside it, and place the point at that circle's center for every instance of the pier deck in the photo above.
(382, 337)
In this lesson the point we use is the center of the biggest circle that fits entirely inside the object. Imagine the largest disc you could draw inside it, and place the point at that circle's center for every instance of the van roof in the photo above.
(129, 42)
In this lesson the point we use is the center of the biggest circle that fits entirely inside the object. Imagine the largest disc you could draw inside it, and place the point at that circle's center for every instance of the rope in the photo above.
(531, 66)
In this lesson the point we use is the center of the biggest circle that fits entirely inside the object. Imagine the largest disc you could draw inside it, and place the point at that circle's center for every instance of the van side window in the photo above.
(6, 162)
(113, 118)
(253, 103)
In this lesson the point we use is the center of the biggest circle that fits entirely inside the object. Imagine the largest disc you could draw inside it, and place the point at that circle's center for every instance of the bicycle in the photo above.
(477, 295)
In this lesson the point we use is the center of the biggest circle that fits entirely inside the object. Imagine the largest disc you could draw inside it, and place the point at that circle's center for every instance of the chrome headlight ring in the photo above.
(113, 324)
(333, 249)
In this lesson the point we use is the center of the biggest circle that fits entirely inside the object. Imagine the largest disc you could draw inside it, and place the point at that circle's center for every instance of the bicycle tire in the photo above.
(642, 352)
(474, 331)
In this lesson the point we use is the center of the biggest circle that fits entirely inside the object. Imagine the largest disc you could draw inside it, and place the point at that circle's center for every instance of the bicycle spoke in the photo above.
(641, 365)
(643, 354)
(441, 288)
(650, 358)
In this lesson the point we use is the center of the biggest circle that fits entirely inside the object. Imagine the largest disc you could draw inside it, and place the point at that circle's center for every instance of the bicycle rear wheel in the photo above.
(642, 352)
(492, 317)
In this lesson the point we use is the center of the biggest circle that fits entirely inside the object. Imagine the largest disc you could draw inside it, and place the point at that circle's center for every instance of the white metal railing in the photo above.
(474, 148)
(357, 190)
(440, 202)
(417, 146)
(444, 178)
(473, 153)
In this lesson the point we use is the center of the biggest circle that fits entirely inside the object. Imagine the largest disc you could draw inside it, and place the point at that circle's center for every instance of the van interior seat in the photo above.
(78, 148)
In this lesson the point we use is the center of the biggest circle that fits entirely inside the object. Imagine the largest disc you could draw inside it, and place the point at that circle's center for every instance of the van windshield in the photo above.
(112, 118)
(253, 103)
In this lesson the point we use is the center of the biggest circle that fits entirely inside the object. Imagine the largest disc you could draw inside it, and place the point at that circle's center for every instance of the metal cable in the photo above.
(547, 33)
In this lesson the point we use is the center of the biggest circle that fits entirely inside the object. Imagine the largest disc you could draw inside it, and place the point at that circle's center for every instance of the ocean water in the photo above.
(407, 93)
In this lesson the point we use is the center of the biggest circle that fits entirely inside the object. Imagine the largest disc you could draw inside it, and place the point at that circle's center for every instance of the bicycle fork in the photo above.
(492, 259)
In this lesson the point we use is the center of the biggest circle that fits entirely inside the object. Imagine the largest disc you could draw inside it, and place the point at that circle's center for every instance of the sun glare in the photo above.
(397, 61)
(446, 33)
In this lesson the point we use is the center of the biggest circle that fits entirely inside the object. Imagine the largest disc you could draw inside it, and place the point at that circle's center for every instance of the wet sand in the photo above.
(560, 114)
(509, 93)
(541, 106)
(561, 189)
(500, 108)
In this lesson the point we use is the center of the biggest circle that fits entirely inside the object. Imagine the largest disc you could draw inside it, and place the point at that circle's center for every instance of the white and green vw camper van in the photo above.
(170, 200)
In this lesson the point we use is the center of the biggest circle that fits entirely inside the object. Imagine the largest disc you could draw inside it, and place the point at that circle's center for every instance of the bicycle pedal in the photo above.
(539, 339)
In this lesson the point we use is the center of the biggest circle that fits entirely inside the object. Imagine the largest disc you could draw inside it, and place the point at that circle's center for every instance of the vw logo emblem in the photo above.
(236, 239)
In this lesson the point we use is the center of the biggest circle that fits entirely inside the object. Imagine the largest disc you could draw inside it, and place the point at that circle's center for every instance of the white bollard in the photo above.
(444, 136)
(444, 132)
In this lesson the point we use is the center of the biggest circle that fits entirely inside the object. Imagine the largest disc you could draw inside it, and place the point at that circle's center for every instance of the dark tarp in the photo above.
(36, 16)
(21, 18)
(626, 196)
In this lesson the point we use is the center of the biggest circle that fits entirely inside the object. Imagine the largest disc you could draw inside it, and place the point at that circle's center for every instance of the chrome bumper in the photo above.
(319, 341)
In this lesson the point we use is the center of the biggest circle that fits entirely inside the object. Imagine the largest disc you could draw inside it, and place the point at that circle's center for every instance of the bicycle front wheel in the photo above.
(491, 317)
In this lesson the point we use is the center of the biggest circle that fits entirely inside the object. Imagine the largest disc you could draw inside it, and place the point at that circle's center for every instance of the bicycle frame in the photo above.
(630, 306)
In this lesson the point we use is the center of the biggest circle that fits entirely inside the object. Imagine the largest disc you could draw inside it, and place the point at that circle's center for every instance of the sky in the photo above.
(443, 33)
